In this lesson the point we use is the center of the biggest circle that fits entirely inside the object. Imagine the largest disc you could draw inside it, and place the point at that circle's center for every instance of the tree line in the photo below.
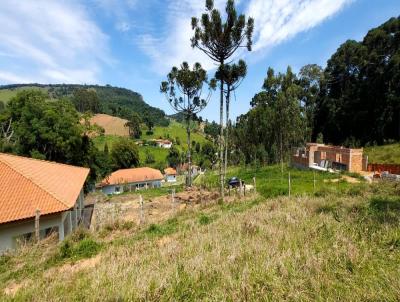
(32, 125)
(354, 101)
(116, 101)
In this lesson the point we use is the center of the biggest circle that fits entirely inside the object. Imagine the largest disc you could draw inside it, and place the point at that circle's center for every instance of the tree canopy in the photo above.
(360, 95)
(219, 39)
(183, 90)
(133, 124)
(125, 154)
(50, 130)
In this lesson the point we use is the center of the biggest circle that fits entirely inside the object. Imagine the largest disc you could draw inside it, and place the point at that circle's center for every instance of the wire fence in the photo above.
(142, 210)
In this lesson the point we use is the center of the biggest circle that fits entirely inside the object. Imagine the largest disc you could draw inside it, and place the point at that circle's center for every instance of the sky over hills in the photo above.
(133, 44)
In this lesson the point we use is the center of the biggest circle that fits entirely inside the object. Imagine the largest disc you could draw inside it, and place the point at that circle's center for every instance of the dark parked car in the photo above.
(234, 182)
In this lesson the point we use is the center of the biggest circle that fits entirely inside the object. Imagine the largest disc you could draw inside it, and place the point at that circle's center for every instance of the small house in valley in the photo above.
(170, 175)
(163, 143)
(131, 179)
(38, 198)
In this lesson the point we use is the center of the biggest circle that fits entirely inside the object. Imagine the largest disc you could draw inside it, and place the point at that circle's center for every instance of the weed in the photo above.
(204, 219)
(160, 230)
(356, 190)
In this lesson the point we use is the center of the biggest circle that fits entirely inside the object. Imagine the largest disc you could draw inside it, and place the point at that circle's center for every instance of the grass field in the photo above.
(387, 154)
(340, 247)
(7, 94)
(270, 182)
(173, 131)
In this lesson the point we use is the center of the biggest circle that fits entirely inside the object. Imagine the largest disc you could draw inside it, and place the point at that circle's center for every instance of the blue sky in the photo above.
(133, 44)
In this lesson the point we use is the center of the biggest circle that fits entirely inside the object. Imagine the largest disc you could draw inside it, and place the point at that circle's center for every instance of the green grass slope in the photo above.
(341, 247)
(387, 154)
(8, 94)
(173, 131)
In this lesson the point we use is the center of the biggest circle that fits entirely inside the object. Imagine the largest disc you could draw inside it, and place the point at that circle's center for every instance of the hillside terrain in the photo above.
(176, 132)
(112, 125)
(115, 101)
(339, 243)
(386, 154)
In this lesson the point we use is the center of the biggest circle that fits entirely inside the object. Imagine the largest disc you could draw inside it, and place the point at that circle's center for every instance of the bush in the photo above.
(78, 246)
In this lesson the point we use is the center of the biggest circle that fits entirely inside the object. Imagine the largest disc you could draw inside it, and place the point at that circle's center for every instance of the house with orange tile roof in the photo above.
(37, 192)
(131, 179)
(170, 174)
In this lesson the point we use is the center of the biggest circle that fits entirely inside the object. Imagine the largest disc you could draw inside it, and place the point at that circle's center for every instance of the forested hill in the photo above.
(113, 100)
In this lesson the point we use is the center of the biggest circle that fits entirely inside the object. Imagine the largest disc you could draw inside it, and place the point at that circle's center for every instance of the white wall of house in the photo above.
(118, 189)
(170, 178)
(63, 223)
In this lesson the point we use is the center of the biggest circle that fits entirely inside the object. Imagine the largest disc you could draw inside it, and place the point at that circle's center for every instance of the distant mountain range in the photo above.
(115, 101)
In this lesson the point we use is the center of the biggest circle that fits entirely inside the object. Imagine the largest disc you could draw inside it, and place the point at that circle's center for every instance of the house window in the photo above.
(117, 189)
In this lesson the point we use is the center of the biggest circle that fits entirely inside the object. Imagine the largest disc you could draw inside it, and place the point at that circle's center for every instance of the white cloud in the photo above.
(52, 41)
(275, 22)
(173, 46)
(279, 20)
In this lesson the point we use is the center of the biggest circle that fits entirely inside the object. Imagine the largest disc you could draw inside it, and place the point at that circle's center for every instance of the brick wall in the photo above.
(356, 162)
(391, 168)
(300, 161)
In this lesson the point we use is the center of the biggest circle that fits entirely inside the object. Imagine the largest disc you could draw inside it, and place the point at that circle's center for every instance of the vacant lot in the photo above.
(340, 243)
(340, 247)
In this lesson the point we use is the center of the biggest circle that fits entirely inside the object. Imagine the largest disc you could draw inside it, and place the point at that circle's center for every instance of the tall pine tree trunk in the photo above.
(227, 131)
(189, 180)
(221, 135)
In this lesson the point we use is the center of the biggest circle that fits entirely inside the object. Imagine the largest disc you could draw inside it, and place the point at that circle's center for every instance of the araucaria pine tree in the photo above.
(233, 76)
(219, 40)
(183, 90)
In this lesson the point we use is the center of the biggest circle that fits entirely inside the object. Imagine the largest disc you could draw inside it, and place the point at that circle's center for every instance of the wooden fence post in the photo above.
(240, 188)
(173, 199)
(141, 209)
(254, 184)
(37, 225)
(314, 182)
(289, 185)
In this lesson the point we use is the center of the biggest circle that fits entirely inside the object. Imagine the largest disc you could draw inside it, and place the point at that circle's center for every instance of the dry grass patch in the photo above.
(332, 248)
(112, 125)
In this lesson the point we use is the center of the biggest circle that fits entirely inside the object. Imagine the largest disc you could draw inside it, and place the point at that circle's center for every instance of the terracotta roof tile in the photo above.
(28, 184)
(132, 175)
(170, 171)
